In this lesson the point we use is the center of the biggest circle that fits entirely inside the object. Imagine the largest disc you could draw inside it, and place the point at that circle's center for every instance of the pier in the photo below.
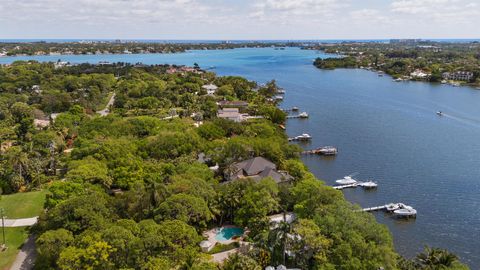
(324, 151)
(300, 115)
(399, 210)
(365, 185)
(293, 109)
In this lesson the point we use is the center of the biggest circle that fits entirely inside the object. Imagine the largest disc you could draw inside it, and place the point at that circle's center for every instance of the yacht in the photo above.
(303, 115)
(405, 211)
(304, 137)
(368, 184)
(347, 180)
(440, 113)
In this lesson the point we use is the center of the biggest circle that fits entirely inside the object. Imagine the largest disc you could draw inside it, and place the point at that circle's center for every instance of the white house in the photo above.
(418, 73)
(211, 88)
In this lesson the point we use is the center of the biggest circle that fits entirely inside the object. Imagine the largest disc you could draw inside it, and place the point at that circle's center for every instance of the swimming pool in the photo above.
(226, 233)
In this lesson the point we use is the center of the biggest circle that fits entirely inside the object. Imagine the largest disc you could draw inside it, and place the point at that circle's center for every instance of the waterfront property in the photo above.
(211, 88)
(256, 168)
(232, 114)
(458, 76)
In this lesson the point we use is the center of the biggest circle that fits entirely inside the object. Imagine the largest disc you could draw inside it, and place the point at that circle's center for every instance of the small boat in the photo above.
(440, 113)
(347, 180)
(444, 82)
(407, 211)
(303, 115)
(392, 207)
(304, 137)
(398, 80)
(278, 97)
(369, 185)
(295, 109)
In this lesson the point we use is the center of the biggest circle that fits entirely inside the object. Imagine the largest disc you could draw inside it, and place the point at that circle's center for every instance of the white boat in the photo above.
(347, 180)
(398, 80)
(407, 211)
(439, 113)
(295, 109)
(303, 115)
(304, 137)
(368, 184)
(392, 207)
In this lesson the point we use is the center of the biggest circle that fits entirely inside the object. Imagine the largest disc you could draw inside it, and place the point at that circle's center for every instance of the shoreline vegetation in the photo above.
(437, 62)
(119, 47)
(136, 187)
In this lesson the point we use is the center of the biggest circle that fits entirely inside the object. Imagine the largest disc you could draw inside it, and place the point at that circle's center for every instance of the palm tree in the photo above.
(278, 238)
(435, 258)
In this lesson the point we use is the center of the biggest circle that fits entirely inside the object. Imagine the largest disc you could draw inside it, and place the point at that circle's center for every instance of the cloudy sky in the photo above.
(240, 19)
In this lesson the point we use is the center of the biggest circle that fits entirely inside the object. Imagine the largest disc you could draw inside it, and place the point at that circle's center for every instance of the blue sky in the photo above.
(237, 19)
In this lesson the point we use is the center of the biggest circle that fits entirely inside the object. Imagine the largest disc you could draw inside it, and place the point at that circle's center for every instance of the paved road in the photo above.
(106, 111)
(20, 222)
(26, 257)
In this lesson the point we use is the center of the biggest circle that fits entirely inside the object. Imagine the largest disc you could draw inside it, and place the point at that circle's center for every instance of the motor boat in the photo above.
(304, 137)
(392, 207)
(303, 115)
(368, 184)
(295, 109)
(347, 180)
(439, 113)
(406, 211)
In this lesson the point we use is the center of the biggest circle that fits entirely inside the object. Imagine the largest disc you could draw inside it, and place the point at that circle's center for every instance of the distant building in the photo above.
(418, 73)
(231, 114)
(458, 76)
(256, 168)
(211, 88)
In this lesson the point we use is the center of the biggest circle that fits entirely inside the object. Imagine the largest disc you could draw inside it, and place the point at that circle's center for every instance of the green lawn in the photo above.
(23, 205)
(14, 238)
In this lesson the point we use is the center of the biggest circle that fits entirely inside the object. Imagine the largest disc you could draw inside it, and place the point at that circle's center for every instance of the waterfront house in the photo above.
(256, 168)
(232, 114)
(419, 74)
(211, 89)
(458, 76)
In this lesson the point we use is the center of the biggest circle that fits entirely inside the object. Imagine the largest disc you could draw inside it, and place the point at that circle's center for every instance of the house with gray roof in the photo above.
(256, 168)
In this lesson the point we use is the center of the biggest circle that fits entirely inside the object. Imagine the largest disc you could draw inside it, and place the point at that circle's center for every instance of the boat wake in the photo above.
(464, 120)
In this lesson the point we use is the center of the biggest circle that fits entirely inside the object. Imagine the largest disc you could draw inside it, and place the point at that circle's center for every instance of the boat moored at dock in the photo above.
(300, 115)
(303, 137)
(324, 151)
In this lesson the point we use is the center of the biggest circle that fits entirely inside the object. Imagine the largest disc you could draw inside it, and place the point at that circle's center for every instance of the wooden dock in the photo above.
(375, 208)
(346, 186)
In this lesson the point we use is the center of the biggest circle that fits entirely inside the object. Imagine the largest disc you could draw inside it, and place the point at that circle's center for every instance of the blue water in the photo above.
(226, 234)
(384, 130)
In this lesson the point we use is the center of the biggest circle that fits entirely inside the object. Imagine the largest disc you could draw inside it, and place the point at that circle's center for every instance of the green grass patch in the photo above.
(23, 205)
(221, 247)
(14, 238)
